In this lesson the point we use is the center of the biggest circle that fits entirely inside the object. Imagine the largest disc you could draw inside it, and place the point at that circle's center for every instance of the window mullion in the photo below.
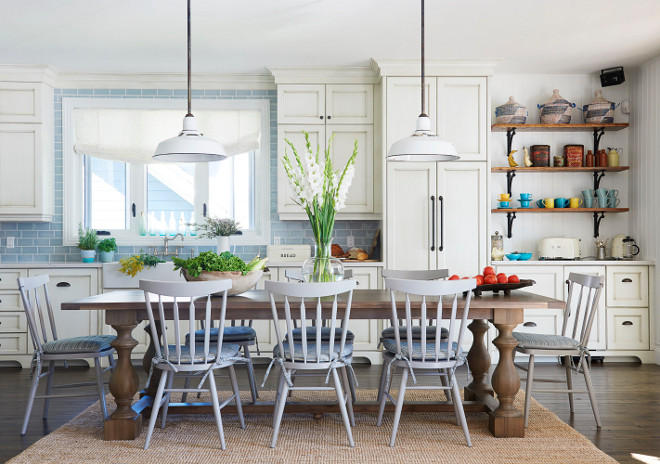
(136, 195)
(201, 191)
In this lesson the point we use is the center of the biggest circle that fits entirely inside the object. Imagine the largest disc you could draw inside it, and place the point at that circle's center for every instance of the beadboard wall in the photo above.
(531, 90)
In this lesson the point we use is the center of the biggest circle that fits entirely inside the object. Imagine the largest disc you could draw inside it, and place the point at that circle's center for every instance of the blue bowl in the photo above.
(513, 256)
(524, 256)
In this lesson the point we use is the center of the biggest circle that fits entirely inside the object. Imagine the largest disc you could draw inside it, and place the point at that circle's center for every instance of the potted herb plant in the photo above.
(87, 242)
(107, 248)
(218, 228)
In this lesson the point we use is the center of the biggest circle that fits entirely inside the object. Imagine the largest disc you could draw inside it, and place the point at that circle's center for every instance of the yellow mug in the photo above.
(505, 196)
(549, 202)
(574, 202)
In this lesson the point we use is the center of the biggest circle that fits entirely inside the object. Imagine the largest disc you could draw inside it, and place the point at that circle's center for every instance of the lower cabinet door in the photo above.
(627, 328)
(13, 343)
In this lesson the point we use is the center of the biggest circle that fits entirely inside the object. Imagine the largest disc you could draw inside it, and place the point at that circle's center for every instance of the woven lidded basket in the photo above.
(511, 112)
(557, 110)
(599, 110)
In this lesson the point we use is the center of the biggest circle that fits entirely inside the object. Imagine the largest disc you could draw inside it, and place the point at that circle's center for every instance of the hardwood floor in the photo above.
(628, 398)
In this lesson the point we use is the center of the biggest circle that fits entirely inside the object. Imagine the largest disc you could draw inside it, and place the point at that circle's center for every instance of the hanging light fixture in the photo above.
(190, 145)
(423, 144)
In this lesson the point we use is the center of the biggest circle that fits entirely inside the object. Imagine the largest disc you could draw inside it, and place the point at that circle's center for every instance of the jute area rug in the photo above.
(422, 438)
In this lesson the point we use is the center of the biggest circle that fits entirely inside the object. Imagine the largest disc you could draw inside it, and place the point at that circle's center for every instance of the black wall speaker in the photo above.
(612, 76)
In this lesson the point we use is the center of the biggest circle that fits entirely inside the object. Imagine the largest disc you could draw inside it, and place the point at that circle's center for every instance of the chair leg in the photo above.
(349, 402)
(156, 407)
(445, 382)
(592, 396)
(111, 362)
(569, 381)
(342, 406)
(216, 410)
(49, 387)
(28, 408)
(351, 387)
(278, 395)
(99, 386)
(383, 378)
(278, 413)
(383, 399)
(166, 405)
(528, 387)
(186, 384)
(460, 412)
(250, 372)
(237, 395)
(399, 405)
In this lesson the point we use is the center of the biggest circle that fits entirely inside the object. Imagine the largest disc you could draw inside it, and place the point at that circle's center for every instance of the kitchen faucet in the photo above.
(166, 251)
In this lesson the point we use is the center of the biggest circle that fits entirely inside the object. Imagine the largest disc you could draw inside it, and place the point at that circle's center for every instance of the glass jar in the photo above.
(497, 247)
(322, 267)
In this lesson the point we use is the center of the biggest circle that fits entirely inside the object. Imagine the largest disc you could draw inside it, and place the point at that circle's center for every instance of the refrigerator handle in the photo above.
(432, 223)
(441, 200)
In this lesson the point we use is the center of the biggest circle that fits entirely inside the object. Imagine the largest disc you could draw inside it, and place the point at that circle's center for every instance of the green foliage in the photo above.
(134, 264)
(211, 261)
(215, 227)
(87, 238)
(107, 245)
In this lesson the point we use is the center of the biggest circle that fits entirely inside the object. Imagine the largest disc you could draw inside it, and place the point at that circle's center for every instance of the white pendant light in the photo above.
(423, 144)
(190, 146)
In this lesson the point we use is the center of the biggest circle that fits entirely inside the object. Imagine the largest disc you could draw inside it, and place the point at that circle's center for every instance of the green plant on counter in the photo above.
(215, 227)
(87, 238)
(134, 264)
(107, 245)
(211, 261)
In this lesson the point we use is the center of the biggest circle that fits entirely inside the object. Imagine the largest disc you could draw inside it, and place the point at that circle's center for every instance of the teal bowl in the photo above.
(513, 256)
(524, 256)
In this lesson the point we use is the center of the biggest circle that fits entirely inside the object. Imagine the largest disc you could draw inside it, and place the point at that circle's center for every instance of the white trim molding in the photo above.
(390, 67)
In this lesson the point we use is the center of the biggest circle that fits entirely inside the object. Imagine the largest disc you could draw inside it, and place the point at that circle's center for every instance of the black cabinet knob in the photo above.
(320, 117)
(329, 117)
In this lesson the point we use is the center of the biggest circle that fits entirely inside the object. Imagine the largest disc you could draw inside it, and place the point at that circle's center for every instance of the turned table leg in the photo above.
(506, 420)
(478, 361)
(124, 423)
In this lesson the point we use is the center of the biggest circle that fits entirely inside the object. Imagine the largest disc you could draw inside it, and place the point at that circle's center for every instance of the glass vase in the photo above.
(322, 267)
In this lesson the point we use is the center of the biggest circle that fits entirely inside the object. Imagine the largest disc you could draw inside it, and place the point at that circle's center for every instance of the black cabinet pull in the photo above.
(432, 223)
(442, 223)
(63, 284)
(133, 209)
(204, 210)
(627, 323)
(529, 324)
(320, 117)
(627, 280)
(329, 117)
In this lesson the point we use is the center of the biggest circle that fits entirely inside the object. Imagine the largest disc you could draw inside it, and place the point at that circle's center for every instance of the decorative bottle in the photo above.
(602, 159)
(589, 159)
(143, 224)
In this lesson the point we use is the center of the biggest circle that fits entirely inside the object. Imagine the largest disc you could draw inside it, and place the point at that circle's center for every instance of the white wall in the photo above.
(531, 90)
(645, 170)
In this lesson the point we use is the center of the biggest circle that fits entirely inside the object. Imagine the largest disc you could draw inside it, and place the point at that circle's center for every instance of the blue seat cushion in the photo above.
(239, 333)
(547, 342)
(227, 350)
(390, 346)
(86, 344)
(325, 334)
(311, 352)
(416, 333)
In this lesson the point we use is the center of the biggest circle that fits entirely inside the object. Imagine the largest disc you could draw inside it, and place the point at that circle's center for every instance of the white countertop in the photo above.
(49, 265)
(607, 262)
(345, 263)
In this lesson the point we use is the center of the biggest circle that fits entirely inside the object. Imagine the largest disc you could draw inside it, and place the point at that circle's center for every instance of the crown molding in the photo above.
(28, 73)
(200, 81)
(391, 67)
(324, 75)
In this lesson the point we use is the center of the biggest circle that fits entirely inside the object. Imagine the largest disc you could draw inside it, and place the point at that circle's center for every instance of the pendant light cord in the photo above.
(189, 58)
(422, 61)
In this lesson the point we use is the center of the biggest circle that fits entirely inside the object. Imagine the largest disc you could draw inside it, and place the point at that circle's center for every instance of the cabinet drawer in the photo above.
(8, 278)
(628, 286)
(627, 328)
(13, 322)
(10, 302)
(546, 321)
(13, 343)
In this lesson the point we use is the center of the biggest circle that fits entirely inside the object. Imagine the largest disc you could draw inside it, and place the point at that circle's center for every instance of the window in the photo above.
(108, 186)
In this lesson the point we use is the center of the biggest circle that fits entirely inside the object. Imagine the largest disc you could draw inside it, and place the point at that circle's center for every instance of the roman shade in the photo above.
(131, 135)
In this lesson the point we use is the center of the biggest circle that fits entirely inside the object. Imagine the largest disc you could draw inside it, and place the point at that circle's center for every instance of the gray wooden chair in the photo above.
(312, 356)
(582, 308)
(178, 357)
(428, 353)
(48, 348)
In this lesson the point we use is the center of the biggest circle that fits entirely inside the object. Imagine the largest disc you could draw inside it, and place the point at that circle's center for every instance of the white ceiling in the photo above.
(246, 36)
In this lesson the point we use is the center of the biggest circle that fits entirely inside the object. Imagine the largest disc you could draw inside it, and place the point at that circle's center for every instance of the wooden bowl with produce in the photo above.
(489, 281)
(209, 265)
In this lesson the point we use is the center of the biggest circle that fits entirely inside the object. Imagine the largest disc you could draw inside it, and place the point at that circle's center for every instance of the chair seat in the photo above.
(416, 333)
(390, 347)
(325, 334)
(227, 350)
(239, 333)
(311, 352)
(86, 344)
(543, 341)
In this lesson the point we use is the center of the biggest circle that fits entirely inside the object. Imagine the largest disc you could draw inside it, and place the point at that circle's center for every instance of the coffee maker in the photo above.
(624, 247)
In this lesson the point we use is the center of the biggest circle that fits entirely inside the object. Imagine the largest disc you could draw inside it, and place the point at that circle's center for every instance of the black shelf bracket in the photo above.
(598, 176)
(597, 220)
(509, 181)
(510, 217)
(510, 132)
(598, 133)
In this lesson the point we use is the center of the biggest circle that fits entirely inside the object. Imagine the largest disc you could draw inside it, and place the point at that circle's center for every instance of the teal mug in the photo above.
(539, 204)
(561, 203)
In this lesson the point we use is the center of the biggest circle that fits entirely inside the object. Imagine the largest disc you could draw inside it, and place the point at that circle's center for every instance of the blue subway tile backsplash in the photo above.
(40, 242)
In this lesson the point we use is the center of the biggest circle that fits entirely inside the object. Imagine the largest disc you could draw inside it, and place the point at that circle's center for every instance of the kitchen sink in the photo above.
(112, 278)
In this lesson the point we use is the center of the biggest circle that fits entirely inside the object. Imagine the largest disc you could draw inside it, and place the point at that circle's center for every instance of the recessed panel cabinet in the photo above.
(319, 103)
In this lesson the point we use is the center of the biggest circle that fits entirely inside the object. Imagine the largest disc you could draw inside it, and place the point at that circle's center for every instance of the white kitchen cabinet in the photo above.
(321, 104)
(456, 105)
(627, 329)
(436, 216)
(628, 286)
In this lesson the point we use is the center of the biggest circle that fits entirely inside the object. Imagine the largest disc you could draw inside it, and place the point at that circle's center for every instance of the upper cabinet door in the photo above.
(301, 104)
(349, 104)
(20, 102)
(404, 105)
(462, 116)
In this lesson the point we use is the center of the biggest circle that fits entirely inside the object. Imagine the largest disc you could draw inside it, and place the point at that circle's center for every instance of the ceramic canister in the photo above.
(540, 155)
(511, 112)
(573, 155)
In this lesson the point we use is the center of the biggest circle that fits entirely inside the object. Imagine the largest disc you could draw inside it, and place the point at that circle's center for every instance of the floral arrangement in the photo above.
(319, 189)
(134, 264)
(216, 227)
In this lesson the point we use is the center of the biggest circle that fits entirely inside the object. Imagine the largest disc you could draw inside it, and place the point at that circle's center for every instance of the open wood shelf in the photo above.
(562, 169)
(615, 126)
(559, 210)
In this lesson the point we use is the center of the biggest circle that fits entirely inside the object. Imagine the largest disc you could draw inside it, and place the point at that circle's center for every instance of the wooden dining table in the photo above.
(124, 309)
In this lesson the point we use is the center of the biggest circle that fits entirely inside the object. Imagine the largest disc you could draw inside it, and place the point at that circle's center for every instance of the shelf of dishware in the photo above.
(559, 210)
(559, 169)
(586, 127)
